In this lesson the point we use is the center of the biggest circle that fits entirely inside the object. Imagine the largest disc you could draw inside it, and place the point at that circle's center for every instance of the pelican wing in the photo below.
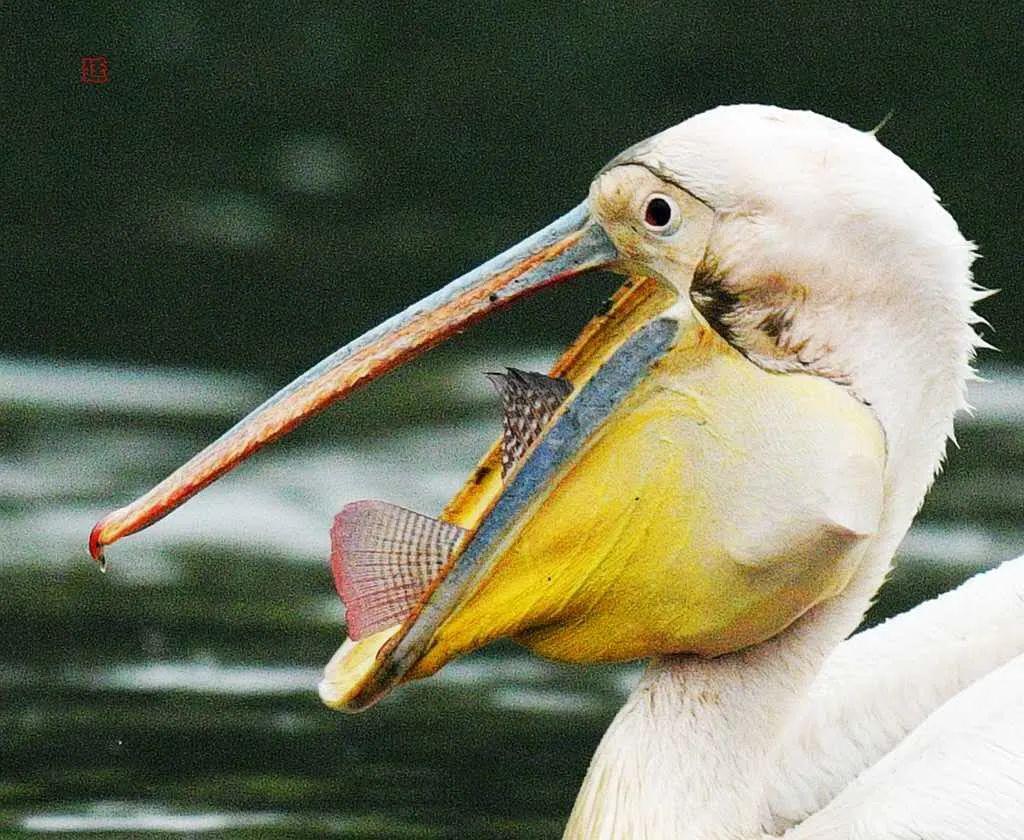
(889, 697)
(958, 776)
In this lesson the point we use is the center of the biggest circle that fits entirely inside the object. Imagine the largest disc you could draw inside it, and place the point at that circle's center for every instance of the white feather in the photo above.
(878, 686)
(957, 776)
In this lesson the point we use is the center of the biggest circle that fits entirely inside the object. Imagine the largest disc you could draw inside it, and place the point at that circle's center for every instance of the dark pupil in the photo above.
(658, 212)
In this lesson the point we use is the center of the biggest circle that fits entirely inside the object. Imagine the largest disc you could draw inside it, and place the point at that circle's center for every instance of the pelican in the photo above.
(714, 478)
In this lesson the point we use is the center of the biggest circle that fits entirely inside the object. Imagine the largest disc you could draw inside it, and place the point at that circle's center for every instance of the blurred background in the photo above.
(251, 189)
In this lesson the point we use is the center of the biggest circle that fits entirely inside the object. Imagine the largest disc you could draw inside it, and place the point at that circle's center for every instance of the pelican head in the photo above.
(794, 247)
(827, 254)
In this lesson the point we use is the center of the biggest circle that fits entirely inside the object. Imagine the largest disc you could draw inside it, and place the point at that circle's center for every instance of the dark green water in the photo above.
(177, 692)
(258, 183)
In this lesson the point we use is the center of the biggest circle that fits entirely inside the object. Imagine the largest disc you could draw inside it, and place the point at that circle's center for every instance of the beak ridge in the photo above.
(571, 245)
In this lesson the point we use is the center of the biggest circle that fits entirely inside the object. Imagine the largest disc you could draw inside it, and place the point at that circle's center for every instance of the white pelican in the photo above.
(715, 477)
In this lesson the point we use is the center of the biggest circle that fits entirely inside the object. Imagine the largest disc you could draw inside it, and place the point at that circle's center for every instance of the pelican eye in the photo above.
(661, 214)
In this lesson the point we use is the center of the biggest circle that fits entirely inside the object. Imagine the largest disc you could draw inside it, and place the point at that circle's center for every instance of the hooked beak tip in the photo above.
(96, 546)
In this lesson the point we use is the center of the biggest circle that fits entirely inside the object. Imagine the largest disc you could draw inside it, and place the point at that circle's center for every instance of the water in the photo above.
(176, 694)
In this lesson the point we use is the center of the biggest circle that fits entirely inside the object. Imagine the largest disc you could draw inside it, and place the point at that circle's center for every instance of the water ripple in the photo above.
(126, 816)
(206, 677)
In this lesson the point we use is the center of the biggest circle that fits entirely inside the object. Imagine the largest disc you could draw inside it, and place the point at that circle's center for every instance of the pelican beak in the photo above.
(571, 245)
(499, 581)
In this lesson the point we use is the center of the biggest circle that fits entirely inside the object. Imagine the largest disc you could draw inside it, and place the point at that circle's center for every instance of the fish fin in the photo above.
(383, 558)
(528, 401)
